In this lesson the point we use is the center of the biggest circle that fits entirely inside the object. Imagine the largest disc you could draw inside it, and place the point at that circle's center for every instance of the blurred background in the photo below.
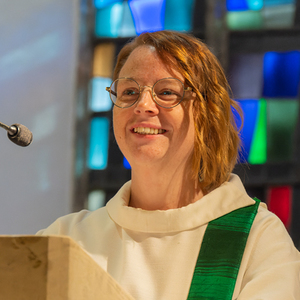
(57, 57)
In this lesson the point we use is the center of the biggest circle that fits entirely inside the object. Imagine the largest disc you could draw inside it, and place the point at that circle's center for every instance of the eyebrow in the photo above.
(136, 79)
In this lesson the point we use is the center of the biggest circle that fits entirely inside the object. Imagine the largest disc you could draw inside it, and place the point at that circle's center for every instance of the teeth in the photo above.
(148, 130)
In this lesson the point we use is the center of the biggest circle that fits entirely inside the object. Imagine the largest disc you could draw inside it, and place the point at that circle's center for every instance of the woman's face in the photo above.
(173, 142)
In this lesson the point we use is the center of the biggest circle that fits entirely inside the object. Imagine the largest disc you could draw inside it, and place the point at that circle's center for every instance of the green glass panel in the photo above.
(282, 116)
(96, 199)
(258, 149)
(244, 20)
(280, 16)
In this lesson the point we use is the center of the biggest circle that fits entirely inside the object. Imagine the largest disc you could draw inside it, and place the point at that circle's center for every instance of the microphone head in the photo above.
(22, 137)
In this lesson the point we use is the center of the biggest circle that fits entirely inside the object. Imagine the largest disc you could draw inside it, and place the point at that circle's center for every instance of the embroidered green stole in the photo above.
(221, 254)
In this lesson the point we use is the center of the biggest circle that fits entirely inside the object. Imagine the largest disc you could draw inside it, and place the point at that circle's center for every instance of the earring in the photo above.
(200, 177)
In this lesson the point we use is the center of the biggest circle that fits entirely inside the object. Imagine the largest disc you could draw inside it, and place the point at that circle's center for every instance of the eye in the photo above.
(167, 92)
(129, 95)
(130, 92)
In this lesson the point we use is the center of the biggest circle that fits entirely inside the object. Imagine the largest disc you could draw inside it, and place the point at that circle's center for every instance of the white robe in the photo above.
(152, 254)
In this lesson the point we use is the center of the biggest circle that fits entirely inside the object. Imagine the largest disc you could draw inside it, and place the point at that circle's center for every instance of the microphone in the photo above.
(18, 134)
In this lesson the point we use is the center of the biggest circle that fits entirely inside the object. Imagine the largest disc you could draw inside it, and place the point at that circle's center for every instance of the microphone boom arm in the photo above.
(12, 130)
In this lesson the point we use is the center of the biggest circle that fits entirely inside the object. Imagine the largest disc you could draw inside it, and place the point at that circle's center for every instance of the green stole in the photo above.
(221, 254)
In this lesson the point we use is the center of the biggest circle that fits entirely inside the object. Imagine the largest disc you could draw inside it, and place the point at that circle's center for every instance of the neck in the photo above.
(160, 189)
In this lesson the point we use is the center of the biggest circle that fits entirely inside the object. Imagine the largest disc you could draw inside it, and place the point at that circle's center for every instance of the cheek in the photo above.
(190, 130)
(188, 121)
(119, 124)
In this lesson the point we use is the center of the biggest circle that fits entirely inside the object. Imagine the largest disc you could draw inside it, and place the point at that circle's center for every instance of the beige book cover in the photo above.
(52, 268)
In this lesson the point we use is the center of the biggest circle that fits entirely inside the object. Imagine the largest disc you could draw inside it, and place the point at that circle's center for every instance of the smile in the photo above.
(148, 130)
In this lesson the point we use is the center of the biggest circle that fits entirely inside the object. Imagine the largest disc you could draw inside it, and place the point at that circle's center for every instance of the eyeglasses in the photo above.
(167, 92)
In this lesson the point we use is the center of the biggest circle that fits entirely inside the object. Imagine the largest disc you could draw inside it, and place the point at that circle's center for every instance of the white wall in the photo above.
(38, 58)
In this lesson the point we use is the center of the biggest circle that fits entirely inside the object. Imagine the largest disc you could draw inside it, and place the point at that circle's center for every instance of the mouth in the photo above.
(148, 130)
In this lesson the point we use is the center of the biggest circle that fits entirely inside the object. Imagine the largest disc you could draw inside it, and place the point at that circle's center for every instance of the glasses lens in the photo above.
(124, 92)
(168, 91)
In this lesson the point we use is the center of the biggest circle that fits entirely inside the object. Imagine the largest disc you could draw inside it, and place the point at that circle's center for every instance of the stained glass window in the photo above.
(99, 97)
(281, 73)
(104, 55)
(280, 202)
(258, 148)
(259, 14)
(244, 69)
(148, 15)
(126, 163)
(179, 15)
(96, 199)
(99, 138)
(282, 116)
(108, 20)
(250, 110)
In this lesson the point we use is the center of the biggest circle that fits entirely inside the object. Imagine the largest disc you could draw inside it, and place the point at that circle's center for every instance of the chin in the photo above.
(144, 157)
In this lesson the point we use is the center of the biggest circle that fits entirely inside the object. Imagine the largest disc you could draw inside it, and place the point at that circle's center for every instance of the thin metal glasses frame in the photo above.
(111, 92)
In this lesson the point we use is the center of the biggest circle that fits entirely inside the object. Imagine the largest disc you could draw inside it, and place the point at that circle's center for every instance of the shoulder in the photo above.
(269, 239)
(267, 223)
(271, 262)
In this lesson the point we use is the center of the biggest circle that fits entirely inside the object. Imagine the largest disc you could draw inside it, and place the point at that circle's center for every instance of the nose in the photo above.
(146, 103)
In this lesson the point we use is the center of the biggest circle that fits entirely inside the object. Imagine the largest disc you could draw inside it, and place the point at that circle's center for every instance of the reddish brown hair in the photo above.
(217, 139)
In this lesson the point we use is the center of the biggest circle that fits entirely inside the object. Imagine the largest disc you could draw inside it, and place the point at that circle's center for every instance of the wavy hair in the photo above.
(217, 138)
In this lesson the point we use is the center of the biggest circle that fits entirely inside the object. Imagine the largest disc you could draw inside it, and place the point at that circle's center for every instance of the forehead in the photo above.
(144, 64)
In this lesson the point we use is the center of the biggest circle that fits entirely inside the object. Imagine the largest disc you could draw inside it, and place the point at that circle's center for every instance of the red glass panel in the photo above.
(279, 202)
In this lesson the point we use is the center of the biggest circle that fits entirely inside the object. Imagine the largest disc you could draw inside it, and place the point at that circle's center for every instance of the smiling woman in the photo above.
(173, 121)
(216, 139)
(168, 153)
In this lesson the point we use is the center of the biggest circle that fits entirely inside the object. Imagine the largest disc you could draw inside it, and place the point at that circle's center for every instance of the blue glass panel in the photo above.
(108, 20)
(99, 143)
(179, 15)
(236, 5)
(100, 100)
(148, 15)
(278, 2)
(126, 163)
(255, 4)
(281, 74)
(127, 27)
(250, 111)
(103, 3)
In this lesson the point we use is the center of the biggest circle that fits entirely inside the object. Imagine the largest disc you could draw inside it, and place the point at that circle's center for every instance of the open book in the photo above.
(52, 268)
